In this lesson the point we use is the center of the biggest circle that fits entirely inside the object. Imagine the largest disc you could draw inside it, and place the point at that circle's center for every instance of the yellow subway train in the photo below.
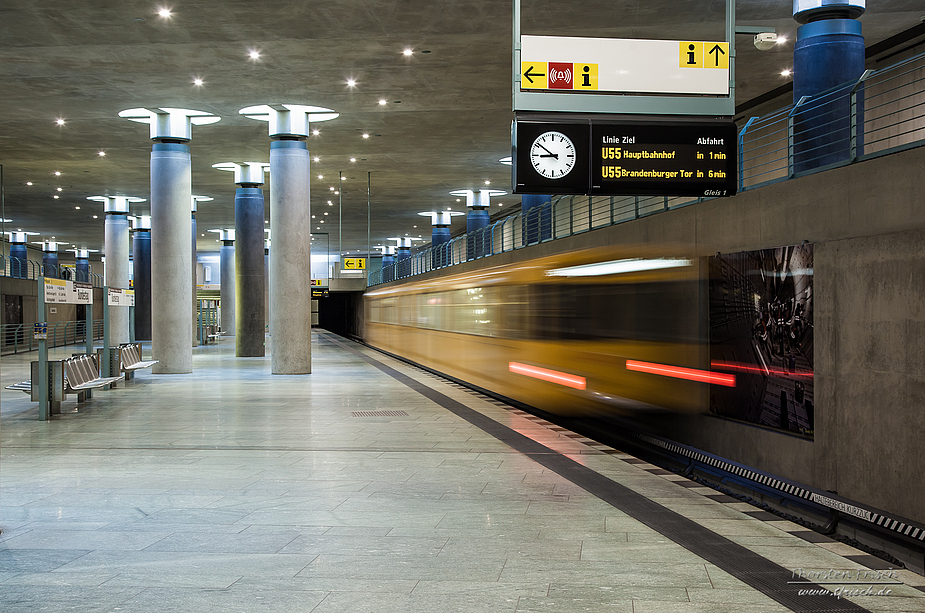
(595, 331)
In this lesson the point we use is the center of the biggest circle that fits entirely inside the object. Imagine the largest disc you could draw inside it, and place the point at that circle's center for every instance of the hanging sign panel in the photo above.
(625, 65)
(618, 157)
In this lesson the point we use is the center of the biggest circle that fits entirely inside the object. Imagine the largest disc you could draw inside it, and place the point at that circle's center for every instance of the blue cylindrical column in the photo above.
(141, 263)
(388, 268)
(829, 52)
(249, 270)
(82, 266)
(439, 236)
(50, 266)
(19, 258)
(226, 263)
(171, 296)
(537, 218)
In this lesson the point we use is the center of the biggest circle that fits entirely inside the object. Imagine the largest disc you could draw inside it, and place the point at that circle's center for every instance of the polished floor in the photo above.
(367, 486)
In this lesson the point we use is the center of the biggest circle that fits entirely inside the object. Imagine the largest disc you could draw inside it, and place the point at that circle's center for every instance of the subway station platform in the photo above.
(372, 486)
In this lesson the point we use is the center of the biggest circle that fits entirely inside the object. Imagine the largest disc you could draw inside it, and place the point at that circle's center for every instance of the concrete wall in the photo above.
(868, 227)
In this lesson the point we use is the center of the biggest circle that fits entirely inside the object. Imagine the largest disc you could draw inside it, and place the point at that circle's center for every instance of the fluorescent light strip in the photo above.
(616, 267)
(552, 376)
(679, 372)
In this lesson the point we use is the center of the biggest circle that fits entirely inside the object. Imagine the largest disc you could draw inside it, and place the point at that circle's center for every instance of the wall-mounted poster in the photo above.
(761, 330)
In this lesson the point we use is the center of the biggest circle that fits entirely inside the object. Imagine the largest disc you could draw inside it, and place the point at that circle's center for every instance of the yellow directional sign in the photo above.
(533, 75)
(318, 282)
(354, 263)
(585, 76)
(690, 54)
(696, 54)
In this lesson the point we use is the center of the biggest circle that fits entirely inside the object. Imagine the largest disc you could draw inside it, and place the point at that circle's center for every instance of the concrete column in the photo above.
(290, 219)
(141, 263)
(290, 258)
(249, 270)
(266, 283)
(829, 52)
(171, 228)
(226, 263)
(50, 266)
(116, 247)
(249, 258)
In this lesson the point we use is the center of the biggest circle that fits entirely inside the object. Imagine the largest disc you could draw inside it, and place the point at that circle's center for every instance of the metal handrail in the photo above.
(17, 268)
(17, 338)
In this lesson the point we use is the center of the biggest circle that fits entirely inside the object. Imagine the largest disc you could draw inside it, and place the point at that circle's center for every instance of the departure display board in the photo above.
(607, 156)
(664, 159)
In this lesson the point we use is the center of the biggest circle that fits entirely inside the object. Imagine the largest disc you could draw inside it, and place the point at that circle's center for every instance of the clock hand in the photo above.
(551, 155)
(546, 150)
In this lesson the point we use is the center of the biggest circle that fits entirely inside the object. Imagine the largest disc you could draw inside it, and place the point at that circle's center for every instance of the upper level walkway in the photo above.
(372, 486)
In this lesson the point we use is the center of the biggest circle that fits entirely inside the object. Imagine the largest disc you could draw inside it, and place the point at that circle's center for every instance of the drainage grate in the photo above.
(379, 414)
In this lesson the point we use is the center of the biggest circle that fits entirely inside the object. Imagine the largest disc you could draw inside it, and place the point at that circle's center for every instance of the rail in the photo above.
(880, 113)
(17, 268)
(17, 338)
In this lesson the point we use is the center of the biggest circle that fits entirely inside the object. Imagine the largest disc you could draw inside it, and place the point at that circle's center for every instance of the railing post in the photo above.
(745, 128)
(854, 116)
(636, 208)
(611, 210)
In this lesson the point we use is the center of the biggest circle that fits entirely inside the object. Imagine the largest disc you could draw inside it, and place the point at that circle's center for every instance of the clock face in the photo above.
(553, 155)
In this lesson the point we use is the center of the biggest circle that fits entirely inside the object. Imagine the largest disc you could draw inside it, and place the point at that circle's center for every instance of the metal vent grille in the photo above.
(379, 414)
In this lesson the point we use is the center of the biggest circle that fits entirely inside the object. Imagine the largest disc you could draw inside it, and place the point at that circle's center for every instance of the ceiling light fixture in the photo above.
(331, 188)
(60, 189)
(487, 182)
(165, 12)
(102, 154)
(94, 217)
(408, 52)
(57, 173)
(254, 54)
(59, 121)
(77, 208)
(781, 40)
(353, 159)
(785, 73)
(365, 135)
(351, 83)
(56, 196)
(320, 176)
(316, 133)
(28, 182)
(197, 81)
(383, 102)
(316, 158)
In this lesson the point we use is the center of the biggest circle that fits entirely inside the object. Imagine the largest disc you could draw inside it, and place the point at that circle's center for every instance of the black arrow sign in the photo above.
(717, 49)
(529, 74)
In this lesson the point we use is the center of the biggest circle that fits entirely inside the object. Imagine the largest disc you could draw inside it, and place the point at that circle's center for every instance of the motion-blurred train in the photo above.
(586, 332)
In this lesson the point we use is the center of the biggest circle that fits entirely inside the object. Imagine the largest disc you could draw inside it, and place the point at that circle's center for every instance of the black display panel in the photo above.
(664, 159)
(551, 158)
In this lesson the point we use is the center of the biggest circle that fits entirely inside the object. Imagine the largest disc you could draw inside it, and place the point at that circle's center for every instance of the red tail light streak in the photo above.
(679, 372)
(759, 370)
(552, 376)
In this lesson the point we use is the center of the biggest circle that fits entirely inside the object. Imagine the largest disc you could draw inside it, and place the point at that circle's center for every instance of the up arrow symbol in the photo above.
(718, 50)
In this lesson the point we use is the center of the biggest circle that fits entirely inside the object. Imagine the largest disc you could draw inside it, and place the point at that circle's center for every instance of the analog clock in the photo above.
(553, 154)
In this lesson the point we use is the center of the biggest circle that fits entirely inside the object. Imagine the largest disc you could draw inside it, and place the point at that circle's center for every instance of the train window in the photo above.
(644, 311)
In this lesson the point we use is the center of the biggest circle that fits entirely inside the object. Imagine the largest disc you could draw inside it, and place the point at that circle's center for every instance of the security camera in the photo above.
(765, 41)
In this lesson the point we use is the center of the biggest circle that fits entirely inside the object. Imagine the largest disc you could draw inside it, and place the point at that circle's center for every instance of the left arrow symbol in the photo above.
(530, 74)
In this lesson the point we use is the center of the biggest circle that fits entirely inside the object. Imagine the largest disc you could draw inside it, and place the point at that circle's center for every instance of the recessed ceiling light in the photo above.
(414, 226)
(785, 73)
(322, 221)
(487, 182)
(351, 83)
(325, 212)
(165, 12)
(57, 173)
(94, 217)
(336, 193)
(102, 154)
(56, 196)
(28, 182)
(254, 54)
(407, 52)
(317, 159)
(197, 81)
(781, 40)
(383, 102)
(77, 208)
(316, 132)
(320, 176)
(59, 121)
(330, 203)
(458, 200)
(448, 209)
(202, 235)
(60, 189)
(331, 188)
(365, 135)
(353, 159)
(313, 216)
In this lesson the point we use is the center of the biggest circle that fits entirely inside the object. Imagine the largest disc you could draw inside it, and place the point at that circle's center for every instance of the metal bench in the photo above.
(130, 359)
(81, 374)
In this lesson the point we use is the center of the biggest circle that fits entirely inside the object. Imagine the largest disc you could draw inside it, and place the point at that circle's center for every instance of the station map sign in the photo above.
(619, 157)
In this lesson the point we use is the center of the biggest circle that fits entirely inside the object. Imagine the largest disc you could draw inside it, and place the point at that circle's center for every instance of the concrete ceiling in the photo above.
(445, 125)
